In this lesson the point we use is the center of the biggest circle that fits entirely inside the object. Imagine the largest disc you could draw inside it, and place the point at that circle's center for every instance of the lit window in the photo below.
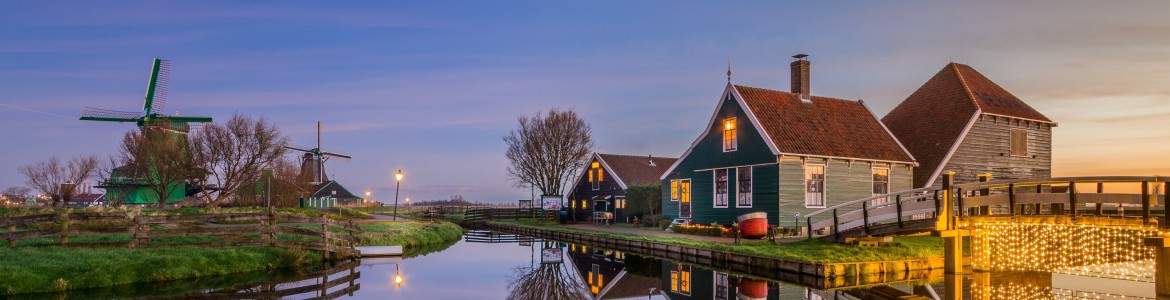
(595, 175)
(1019, 142)
(729, 140)
(814, 182)
(744, 177)
(721, 188)
(684, 282)
(674, 190)
(674, 281)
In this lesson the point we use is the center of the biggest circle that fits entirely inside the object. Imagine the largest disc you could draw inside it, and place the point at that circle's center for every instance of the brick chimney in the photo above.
(800, 76)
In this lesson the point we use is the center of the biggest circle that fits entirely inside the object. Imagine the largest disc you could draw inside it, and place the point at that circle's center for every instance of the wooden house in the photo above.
(607, 275)
(599, 193)
(330, 194)
(963, 122)
(783, 153)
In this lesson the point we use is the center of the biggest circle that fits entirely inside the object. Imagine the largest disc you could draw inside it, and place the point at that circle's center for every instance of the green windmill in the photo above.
(149, 120)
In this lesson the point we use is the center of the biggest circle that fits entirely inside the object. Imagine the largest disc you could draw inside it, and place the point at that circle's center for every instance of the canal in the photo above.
(489, 265)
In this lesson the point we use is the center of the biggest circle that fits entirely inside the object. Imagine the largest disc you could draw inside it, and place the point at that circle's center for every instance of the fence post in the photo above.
(959, 199)
(1011, 199)
(1072, 199)
(808, 223)
(325, 237)
(1146, 202)
(11, 230)
(984, 210)
(1100, 189)
(141, 233)
(835, 223)
(898, 200)
(64, 227)
(937, 204)
(865, 215)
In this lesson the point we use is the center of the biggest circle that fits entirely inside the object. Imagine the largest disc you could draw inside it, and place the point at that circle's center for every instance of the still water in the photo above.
(499, 266)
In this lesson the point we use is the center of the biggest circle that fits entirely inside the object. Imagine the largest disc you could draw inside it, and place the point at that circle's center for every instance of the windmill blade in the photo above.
(298, 149)
(174, 119)
(100, 114)
(160, 83)
(336, 155)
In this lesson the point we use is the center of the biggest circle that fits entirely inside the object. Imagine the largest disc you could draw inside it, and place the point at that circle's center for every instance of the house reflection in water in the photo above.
(614, 275)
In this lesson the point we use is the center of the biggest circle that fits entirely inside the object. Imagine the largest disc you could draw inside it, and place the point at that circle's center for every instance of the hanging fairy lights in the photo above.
(1030, 291)
(1081, 248)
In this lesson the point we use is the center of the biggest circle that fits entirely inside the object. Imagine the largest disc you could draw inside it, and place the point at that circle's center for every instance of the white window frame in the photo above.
(720, 277)
(715, 188)
(729, 147)
(824, 186)
(872, 182)
(1012, 142)
(740, 195)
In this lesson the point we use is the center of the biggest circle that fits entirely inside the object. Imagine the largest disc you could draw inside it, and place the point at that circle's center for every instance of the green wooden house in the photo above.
(783, 153)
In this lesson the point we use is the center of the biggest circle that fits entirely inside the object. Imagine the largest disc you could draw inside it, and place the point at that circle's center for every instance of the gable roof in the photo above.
(326, 190)
(933, 121)
(818, 126)
(631, 169)
(821, 126)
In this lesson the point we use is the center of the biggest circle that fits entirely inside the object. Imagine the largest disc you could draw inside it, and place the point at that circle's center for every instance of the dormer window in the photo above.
(729, 136)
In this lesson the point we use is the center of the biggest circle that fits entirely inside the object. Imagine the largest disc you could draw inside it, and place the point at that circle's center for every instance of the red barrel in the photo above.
(754, 225)
(752, 289)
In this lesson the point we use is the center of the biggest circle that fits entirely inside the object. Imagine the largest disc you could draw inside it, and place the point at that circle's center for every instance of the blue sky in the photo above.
(430, 87)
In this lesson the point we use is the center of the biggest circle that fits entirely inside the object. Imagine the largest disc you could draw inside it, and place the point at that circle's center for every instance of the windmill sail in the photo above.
(94, 114)
(156, 91)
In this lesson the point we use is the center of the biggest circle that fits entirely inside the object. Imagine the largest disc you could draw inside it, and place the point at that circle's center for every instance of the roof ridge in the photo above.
(633, 155)
(787, 92)
(966, 88)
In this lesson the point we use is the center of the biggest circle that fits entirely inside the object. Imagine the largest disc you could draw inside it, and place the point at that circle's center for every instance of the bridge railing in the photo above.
(1072, 196)
(893, 207)
(1048, 196)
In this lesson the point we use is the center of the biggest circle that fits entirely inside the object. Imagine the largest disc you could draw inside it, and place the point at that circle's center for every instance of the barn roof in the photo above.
(634, 169)
(932, 121)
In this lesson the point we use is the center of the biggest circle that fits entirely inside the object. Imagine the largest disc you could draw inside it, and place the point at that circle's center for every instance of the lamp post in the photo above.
(397, 276)
(397, 183)
(367, 199)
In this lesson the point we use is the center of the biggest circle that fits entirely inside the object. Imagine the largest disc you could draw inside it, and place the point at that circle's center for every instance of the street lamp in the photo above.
(397, 182)
(408, 202)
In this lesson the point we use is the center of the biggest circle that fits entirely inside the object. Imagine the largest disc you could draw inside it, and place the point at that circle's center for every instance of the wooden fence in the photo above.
(333, 283)
(110, 229)
(487, 214)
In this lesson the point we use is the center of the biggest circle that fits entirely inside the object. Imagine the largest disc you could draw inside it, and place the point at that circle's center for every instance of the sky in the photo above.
(431, 87)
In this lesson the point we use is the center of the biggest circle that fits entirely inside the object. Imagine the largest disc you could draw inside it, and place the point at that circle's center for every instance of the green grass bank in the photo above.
(903, 248)
(32, 270)
(409, 234)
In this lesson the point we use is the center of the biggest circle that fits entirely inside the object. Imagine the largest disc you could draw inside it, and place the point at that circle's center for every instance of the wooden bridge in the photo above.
(481, 215)
(1029, 225)
(917, 210)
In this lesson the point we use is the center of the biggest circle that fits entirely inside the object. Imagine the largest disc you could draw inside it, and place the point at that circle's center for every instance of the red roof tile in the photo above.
(821, 127)
(930, 121)
(633, 169)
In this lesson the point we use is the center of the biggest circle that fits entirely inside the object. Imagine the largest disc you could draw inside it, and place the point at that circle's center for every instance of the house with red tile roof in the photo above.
(963, 122)
(783, 153)
(599, 193)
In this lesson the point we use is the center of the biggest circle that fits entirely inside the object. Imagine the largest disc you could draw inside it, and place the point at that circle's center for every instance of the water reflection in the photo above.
(489, 265)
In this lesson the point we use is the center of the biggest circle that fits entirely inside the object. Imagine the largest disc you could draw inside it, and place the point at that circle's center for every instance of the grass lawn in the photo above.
(27, 270)
(907, 247)
(408, 234)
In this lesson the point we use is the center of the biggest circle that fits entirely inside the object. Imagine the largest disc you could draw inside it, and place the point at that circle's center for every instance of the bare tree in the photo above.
(235, 153)
(58, 179)
(549, 281)
(284, 187)
(156, 158)
(546, 150)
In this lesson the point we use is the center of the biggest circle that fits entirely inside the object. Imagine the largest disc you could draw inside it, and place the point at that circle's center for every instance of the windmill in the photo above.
(150, 120)
(156, 99)
(313, 162)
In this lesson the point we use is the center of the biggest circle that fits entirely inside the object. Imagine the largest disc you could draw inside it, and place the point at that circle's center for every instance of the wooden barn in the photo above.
(599, 193)
(783, 153)
(330, 194)
(963, 122)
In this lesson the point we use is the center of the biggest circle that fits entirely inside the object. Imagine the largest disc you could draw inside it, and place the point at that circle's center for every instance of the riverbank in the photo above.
(413, 236)
(52, 269)
(808, 257)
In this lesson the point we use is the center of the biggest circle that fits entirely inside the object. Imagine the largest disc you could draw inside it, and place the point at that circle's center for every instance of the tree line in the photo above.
(239, 162)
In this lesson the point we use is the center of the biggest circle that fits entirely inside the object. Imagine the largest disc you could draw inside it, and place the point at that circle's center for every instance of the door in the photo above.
(684, 198)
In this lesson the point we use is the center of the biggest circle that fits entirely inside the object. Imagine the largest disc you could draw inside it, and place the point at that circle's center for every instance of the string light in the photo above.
(1100, 249)
(1029, 291)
